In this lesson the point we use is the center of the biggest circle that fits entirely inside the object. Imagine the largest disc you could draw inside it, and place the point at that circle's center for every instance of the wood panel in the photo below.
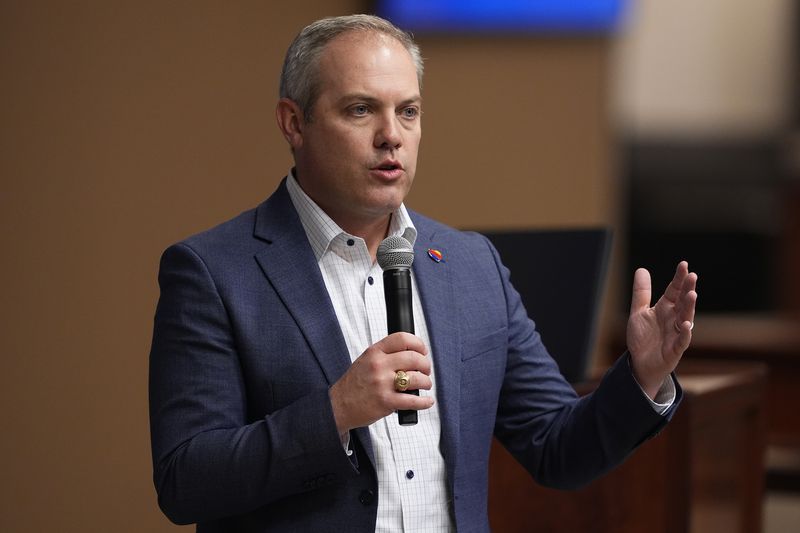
(703, 473)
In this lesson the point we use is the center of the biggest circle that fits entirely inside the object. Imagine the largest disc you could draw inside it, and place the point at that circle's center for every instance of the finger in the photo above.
(416, 381)
(411, 402)
(685, 306)
(640, 299)
(673, 291)
(684, 336)
(687, 311)
(381, 361)
(378, 363)
(684, 322)
(409, 361)
(398, 342)
(689, 282)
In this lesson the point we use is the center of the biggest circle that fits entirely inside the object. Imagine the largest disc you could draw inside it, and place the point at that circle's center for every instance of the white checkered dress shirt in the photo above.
(412, 484)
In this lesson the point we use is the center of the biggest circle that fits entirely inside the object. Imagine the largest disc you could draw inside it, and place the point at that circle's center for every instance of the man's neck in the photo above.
(372, 228)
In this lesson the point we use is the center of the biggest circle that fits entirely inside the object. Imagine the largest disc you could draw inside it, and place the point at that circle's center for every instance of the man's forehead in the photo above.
(352, 58)
(341, 49)
(366, 38)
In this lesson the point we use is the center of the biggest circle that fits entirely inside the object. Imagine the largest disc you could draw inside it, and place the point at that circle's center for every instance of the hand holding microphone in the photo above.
(368, 391)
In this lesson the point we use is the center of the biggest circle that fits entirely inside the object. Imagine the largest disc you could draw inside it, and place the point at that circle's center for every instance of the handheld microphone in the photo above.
(395, 256)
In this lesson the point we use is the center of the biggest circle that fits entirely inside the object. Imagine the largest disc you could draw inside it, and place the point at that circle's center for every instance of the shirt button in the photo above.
(350, 242)
(366, 497)
(409, 474)
(370, 280)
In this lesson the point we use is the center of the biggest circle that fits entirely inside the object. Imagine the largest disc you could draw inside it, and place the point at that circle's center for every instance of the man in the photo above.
(273, 382)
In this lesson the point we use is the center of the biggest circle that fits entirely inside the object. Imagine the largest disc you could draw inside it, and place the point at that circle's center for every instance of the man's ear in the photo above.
(290, 121)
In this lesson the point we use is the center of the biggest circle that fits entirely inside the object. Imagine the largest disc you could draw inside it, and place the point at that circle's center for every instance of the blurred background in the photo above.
(126, 126)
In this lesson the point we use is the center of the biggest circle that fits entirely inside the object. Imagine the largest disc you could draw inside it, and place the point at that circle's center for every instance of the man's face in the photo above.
(358, 153)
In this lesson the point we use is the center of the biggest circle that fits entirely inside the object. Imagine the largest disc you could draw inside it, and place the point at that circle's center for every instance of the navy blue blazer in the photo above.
(246, 344)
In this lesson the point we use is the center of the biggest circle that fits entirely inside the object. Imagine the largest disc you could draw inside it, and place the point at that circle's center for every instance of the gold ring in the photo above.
(401, 380)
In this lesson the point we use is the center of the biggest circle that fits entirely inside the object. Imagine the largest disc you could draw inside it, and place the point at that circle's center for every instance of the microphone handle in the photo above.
(400, 317)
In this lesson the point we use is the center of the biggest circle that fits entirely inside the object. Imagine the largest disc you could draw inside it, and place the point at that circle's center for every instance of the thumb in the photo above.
(642, 289)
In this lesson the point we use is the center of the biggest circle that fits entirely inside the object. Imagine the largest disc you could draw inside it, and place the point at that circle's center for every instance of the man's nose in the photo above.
(388, 134)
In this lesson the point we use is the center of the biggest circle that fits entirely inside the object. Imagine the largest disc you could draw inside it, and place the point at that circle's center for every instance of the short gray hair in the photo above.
(300, 73)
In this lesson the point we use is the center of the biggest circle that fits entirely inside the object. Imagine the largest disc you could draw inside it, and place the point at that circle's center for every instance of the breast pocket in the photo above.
(481, 346)
(483, 365)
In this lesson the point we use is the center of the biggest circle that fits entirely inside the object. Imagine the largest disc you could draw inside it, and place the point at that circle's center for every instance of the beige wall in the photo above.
(125, 126)
(716, 68)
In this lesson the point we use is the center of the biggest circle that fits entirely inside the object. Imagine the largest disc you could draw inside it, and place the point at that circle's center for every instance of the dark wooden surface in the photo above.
(703, 473)
(771, 339)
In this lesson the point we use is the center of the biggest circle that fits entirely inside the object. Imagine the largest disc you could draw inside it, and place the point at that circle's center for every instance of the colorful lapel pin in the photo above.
(436, 255)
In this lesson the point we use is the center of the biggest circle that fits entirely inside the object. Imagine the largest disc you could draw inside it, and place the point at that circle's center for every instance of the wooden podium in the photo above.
(772, 340)
(703, 473)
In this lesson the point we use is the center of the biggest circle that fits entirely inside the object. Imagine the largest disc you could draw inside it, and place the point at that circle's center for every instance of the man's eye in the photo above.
(410, 112)
(359, 110)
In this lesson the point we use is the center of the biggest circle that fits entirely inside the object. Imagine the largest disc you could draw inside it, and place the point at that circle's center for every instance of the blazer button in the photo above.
(366, 497)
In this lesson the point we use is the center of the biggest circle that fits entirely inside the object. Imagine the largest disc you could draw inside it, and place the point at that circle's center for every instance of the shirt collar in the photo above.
(321, 230)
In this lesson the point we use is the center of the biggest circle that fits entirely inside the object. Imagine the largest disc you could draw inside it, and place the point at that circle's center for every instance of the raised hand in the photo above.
(657, 336)
(366, 392)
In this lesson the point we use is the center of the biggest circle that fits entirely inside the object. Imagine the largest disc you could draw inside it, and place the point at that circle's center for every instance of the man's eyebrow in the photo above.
(361, 97)
(416, 99)
(358, 97)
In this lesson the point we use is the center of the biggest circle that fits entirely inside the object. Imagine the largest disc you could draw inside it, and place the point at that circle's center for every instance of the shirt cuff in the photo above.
(345, 438)
(665, 396)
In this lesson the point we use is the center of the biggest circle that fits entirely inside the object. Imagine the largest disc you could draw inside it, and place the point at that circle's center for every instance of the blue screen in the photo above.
(514, 16)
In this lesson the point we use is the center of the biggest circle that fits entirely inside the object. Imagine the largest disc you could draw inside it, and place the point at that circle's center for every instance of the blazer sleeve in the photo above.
(209, 460)
(562, 440)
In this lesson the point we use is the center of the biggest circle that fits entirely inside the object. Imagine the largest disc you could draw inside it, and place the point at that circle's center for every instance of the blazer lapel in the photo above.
(291, 268)
(438, 301)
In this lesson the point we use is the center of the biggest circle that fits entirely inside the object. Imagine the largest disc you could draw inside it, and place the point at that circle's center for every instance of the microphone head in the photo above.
(395, 252)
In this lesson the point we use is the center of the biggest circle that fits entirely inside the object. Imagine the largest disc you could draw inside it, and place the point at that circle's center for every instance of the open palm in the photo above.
(657, 336)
